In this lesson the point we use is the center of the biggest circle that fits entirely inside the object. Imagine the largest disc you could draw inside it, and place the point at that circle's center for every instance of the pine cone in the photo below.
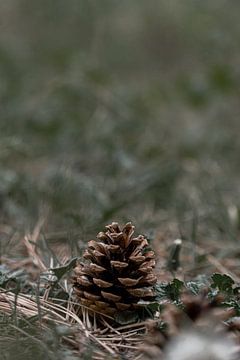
(199, 313)
(118, 273)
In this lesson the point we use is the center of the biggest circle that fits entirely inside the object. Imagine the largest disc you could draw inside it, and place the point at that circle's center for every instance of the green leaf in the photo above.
(149, 307)
(160, 290)
(193, 287)
(12, 278)
(169, 290)
(232, 304)
(196, 285)
(60, 271)
(223, 283)
(173, 289)
(3, 277)
(126, 317)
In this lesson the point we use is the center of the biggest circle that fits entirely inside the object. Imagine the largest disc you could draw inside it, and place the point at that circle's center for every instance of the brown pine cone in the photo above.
(118, 272)
(199, 313)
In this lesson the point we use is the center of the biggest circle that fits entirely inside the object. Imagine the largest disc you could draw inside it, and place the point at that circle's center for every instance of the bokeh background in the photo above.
(120, 110)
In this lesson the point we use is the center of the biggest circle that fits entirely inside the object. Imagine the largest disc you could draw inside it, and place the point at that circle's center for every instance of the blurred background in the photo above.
(120, 110)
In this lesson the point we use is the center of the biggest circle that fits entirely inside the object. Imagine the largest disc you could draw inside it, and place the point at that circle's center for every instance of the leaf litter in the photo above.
(48, 305)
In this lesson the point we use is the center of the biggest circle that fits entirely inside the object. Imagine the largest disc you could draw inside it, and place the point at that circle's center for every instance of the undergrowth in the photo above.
(40, 316)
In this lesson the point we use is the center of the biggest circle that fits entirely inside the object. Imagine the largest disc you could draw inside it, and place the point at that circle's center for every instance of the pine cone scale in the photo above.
(128, 282)
(91, 296)
(119, 265)
(110, 296)
(102, 283)
(83, 280)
